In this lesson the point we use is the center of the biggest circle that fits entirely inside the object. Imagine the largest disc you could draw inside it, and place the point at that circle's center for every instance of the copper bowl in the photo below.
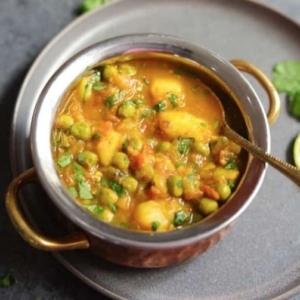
(131, 248)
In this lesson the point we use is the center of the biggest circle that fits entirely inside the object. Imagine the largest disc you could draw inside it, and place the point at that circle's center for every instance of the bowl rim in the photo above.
(49, 179)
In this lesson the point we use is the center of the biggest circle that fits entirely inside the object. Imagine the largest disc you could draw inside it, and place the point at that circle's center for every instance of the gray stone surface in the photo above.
(26, 26)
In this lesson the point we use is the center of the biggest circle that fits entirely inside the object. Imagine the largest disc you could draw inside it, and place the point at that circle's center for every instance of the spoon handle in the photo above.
(287, 169)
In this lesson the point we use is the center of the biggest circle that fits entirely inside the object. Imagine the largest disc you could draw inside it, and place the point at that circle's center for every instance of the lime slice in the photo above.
(296, 151)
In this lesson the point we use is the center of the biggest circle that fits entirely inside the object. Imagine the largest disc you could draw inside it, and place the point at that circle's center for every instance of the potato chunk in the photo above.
(108, 146)
(85, 91)
(160, 87)
(146, 213)
(179, 123)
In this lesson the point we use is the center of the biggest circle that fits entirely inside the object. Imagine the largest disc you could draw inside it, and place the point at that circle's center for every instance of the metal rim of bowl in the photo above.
(71, 69)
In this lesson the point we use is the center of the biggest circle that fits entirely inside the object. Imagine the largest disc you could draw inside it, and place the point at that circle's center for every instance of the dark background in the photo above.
(26, 26)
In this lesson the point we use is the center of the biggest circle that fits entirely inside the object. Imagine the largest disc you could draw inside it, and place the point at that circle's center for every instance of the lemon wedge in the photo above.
(296, 151)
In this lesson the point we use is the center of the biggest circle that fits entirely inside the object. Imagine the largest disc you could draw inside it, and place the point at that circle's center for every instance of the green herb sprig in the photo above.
(286, 79)
(89, 5)
(9, 279)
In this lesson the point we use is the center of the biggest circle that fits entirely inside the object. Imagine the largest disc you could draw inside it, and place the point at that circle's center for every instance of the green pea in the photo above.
(88, 159)
(174, 184)
(127, 69)
(201, 148)
(130, 184)
(120, 160)
(127, 109)
(65, 121)
(207, 206)
(107, 196)
(224, 190)
(109, 71)
(134, 146)
(81, 130)
(164, 146)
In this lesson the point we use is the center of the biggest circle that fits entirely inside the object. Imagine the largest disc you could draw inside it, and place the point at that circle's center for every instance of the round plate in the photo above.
(260, 257)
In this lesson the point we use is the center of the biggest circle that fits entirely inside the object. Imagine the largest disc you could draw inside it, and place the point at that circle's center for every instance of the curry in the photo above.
(137, 143)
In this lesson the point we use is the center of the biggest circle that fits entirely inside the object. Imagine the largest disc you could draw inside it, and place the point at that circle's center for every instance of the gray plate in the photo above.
(260, 257)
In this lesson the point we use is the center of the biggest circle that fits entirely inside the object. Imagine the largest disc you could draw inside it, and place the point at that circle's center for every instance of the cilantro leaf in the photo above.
(295, 104)
(155, 225)
(64, 160)
(95, 78)
(180, 217)
(173, 99)
(99, 86)
(78, 172)
(230, 165)
(113, 207)
(286, 77)
(160, 106)
(72, 190)
(230, 184)
(9, 279)
(114, 186)
(114, 99)
(84, 191)
(95, 209)
(88, 5)
(184, 145)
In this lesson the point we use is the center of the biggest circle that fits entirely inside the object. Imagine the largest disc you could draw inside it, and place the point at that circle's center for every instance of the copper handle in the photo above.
(266, 83)
(76, 240)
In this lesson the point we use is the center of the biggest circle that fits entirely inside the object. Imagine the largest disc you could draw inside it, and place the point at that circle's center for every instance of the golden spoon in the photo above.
(285, 168)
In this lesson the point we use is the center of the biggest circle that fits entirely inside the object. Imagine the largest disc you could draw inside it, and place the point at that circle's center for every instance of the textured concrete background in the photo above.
(26, 26)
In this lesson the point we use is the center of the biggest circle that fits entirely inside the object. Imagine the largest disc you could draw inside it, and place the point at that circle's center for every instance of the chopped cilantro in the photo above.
(160, 106)
(96, 136)
(88, 5)
(112, 207)
(72, 190)
(110, 101)
(78, 172)
(230, 184)
(95, 209)
(96, 77)
(184, 145)
(216, 124)
(180, 217)
(231, 165)
(114, 99)
(138, 101)
(173, 99)
(146, 113)
(84, 191)
(99, 86)
(155, 225)
(126, 143)
(8, 279)
(114, 186)
(64, 160)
